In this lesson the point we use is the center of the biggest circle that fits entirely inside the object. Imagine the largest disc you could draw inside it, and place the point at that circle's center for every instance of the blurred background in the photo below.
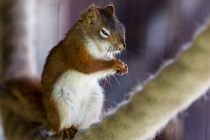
(155, 32)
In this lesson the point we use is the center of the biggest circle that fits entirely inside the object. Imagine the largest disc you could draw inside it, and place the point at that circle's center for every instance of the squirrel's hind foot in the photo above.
(69, 133)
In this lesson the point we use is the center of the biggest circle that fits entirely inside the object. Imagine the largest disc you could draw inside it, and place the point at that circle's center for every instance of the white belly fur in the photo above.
(79, 98)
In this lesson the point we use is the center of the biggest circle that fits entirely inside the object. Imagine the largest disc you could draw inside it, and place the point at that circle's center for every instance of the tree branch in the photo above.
(174, 89)
(17, 38)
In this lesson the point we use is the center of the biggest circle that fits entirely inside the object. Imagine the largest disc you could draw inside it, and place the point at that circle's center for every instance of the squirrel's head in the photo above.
(103, 30)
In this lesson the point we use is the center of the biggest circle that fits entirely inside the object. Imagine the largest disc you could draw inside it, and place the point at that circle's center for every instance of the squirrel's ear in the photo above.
(91, 15)
(110, 9)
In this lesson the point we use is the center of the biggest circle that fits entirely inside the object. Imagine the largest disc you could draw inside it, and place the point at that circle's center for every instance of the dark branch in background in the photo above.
(17, 39)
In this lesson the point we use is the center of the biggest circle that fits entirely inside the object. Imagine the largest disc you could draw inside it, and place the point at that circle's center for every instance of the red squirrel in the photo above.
(72, 96)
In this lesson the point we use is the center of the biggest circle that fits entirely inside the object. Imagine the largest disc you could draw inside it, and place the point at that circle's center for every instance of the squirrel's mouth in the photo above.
(114, 50)
(111, 51)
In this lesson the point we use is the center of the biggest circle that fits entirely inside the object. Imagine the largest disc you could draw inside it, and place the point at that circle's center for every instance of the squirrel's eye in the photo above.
(104, 33)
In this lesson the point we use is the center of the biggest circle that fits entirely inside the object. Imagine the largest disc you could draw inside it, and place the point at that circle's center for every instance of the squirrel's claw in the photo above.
(69, 133)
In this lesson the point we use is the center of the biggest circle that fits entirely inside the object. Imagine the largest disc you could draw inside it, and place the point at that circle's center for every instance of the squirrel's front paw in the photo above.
(69, 133)
(120, 67)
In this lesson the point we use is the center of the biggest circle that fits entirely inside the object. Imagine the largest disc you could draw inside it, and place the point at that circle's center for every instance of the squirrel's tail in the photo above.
(23, 96)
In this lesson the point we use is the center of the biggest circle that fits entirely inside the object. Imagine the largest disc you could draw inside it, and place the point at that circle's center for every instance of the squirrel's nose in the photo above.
(121, 47)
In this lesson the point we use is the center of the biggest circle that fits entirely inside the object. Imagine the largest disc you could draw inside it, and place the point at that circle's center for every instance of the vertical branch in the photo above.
(17, 21)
